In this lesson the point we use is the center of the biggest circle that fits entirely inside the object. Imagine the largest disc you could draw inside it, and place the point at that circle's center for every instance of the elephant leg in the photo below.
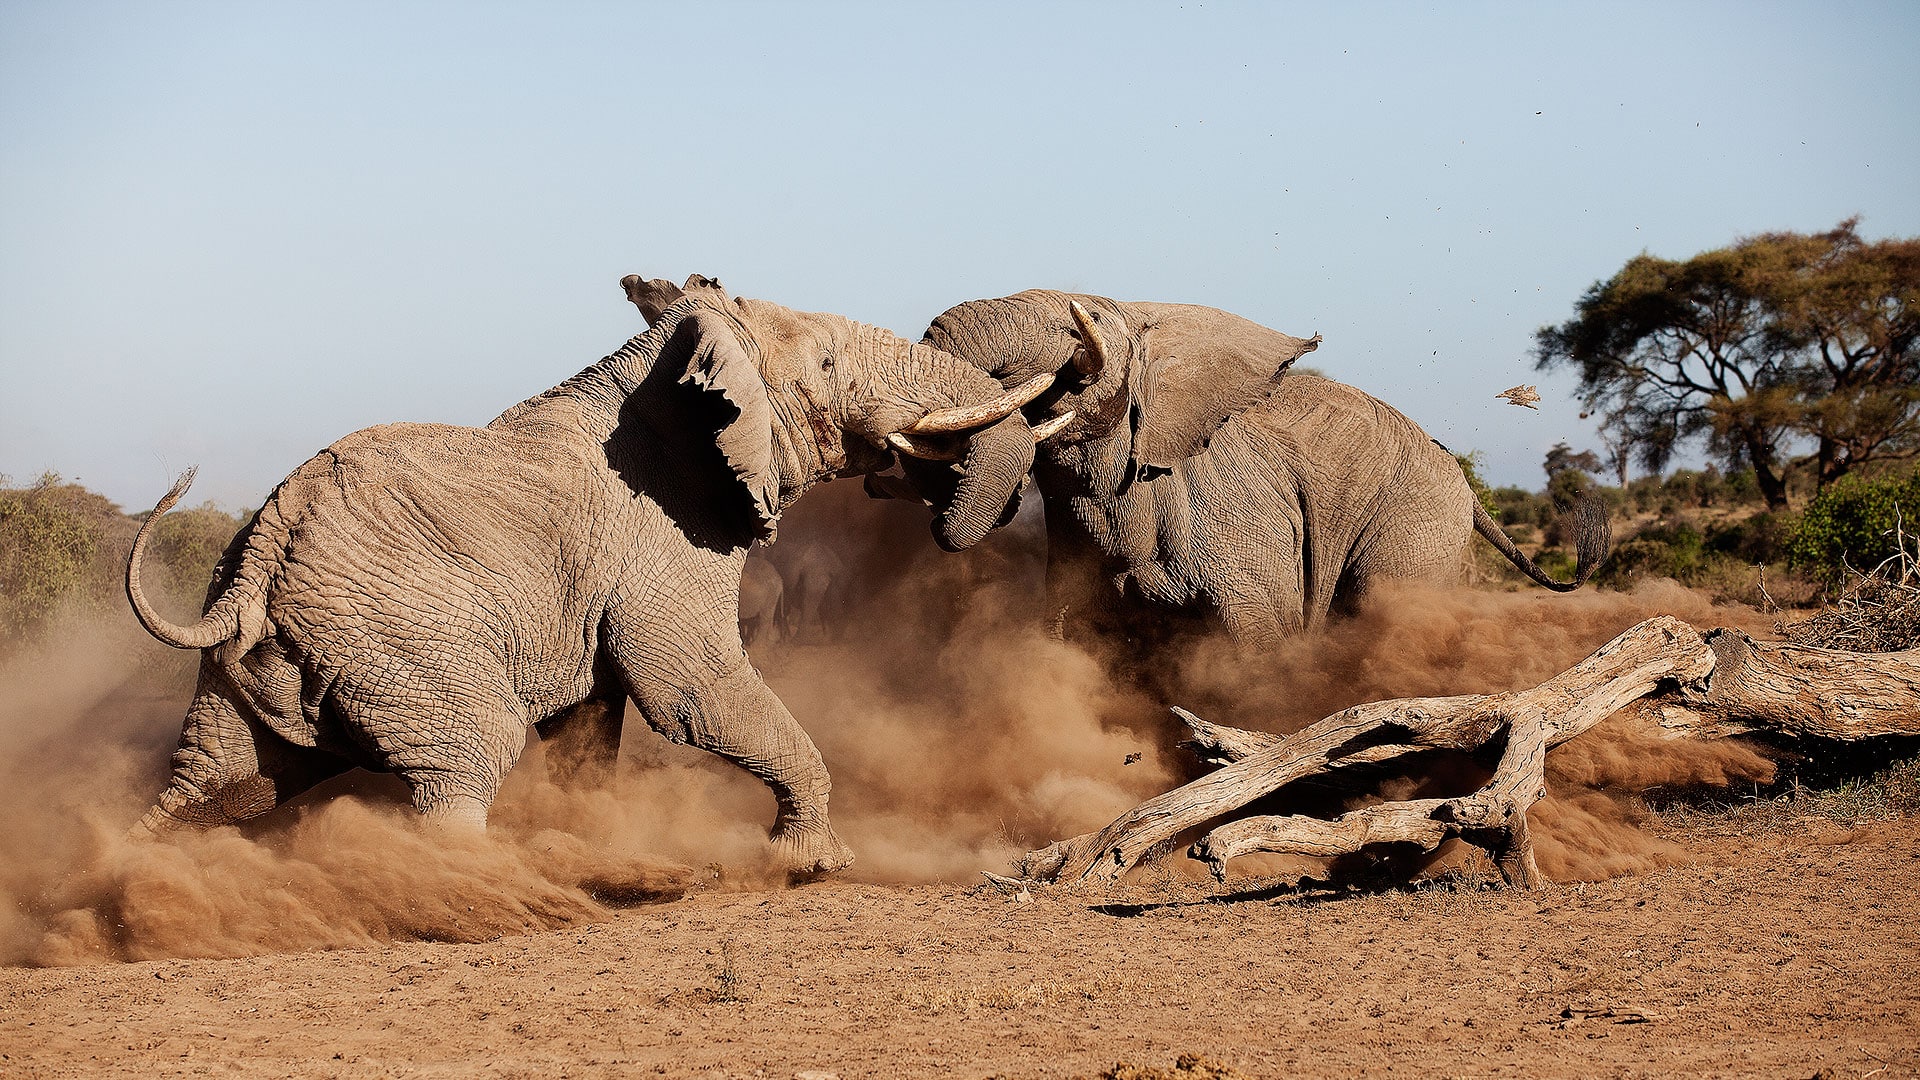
(1424, 539)
(583, 742)
(230, 767)
(727, 709)
(451, 748)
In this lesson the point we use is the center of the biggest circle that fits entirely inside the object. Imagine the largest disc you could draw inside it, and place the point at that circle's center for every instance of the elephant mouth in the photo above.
(942, 435)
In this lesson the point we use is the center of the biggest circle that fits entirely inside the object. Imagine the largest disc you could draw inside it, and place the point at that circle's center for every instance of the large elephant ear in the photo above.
(1199, 369)
(653, 297)
(730, 385)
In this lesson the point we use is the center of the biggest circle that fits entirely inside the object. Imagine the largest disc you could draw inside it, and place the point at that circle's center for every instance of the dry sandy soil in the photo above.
(1790, 949)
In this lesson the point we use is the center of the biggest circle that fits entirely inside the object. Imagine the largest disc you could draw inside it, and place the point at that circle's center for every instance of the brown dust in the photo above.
(957, 733)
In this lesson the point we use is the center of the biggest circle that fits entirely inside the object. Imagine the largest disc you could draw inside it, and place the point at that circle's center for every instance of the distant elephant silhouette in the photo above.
(763, 604)
(818, 582)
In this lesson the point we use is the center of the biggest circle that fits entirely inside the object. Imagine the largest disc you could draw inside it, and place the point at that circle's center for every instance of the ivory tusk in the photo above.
(970, 417)
(1091, 358)
(1044, 431)
(904, 443)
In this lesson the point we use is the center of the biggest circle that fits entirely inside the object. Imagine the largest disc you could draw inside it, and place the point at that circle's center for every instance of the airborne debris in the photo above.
(1524, 396)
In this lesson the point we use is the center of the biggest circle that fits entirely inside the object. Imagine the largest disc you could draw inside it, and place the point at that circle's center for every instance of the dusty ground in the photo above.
(1775, 951)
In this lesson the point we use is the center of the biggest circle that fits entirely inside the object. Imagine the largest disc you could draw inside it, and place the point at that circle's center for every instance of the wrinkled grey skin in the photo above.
(763, 603)
(1197, 487)
(416, 594)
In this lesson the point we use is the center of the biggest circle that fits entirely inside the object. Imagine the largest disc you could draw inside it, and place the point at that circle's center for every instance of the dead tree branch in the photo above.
(1721, 684)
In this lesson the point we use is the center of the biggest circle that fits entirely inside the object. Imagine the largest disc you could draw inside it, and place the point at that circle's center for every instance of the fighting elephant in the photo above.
(415, 595)
(1182, 475)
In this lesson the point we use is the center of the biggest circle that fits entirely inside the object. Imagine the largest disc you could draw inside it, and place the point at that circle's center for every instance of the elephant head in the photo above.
(816, 395)
(1159, 378)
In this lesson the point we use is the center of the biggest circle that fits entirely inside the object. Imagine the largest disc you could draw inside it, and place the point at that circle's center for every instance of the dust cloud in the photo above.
(958, 734)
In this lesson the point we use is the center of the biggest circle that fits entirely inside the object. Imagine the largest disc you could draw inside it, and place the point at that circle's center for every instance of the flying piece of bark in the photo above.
(1697, 686)
(1520, 395)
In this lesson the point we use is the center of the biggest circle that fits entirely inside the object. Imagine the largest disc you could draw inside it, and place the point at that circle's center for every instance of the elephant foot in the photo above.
(808, 853)
(460, 814)
(155, 824)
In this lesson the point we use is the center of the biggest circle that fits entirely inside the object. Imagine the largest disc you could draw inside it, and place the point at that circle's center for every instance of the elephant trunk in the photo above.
(991, 471)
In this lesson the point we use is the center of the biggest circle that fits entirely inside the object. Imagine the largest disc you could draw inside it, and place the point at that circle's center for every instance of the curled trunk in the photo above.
(991, 471)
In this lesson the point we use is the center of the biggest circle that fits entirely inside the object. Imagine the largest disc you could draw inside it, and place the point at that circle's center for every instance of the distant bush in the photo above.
(1673, 549)
(63, 547)
(1690, 489)
(47, 550)
(1762, 538)
(185, 546)
(1518, 506)
(1851, 524)
(1470, 467)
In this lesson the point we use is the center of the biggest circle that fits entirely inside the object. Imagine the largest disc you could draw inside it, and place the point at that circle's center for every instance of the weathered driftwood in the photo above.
(1720, 684)
(1798, 690)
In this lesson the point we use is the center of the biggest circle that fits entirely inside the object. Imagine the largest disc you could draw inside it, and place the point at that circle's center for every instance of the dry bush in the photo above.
(1876, 612)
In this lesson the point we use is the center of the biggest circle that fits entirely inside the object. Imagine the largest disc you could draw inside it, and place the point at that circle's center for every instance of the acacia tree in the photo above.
(1854, 308)
(1752, 350)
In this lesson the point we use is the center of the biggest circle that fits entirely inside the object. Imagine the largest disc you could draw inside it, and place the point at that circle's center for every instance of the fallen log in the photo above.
(1797, 690)
(1722, 683)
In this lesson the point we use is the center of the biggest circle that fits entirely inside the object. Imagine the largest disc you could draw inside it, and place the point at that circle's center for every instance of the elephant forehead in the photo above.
(787, 335)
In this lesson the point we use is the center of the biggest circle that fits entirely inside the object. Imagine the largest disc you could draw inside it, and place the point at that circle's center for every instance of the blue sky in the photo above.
(231, 233)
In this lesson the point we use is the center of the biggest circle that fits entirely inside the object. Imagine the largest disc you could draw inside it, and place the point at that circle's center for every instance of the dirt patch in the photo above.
(1777, 952)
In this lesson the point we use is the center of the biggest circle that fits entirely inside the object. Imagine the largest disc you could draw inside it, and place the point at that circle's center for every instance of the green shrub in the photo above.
(1673, 549)
(1519, 506)
(64, 547)
(1557, 562)
(1851, 524)
(185, 546)
(1762, 538)
(1470, 467)
(47, 552)
(1645, 494)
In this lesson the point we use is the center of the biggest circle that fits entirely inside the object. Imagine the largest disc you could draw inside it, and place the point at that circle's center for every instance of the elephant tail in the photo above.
(222, 621)
(1592, 538)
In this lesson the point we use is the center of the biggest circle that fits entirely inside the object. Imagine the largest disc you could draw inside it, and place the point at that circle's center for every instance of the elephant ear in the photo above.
(653, 297)
(734, 394)
(1200, 368)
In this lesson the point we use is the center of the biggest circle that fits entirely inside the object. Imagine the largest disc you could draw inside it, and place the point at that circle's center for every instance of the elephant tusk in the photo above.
(904, 443)
(972, 417)
(1044, 431)
(1091, 357)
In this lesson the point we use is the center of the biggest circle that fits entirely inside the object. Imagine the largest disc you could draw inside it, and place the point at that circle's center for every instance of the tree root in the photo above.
(1702, 687)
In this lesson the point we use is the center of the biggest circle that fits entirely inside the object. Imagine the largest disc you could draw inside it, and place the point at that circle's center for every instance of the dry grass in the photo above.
(1878, 611)
(1892, 792)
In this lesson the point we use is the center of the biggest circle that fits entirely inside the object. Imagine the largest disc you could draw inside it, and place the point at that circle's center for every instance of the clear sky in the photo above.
(231, 233)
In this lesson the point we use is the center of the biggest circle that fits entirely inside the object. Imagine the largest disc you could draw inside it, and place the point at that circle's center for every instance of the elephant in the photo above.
(818, 582)
(415, 595)
(763, 602)
(1190, 481)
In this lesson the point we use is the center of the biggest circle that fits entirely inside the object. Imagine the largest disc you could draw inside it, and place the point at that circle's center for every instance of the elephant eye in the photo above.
(826, 362)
